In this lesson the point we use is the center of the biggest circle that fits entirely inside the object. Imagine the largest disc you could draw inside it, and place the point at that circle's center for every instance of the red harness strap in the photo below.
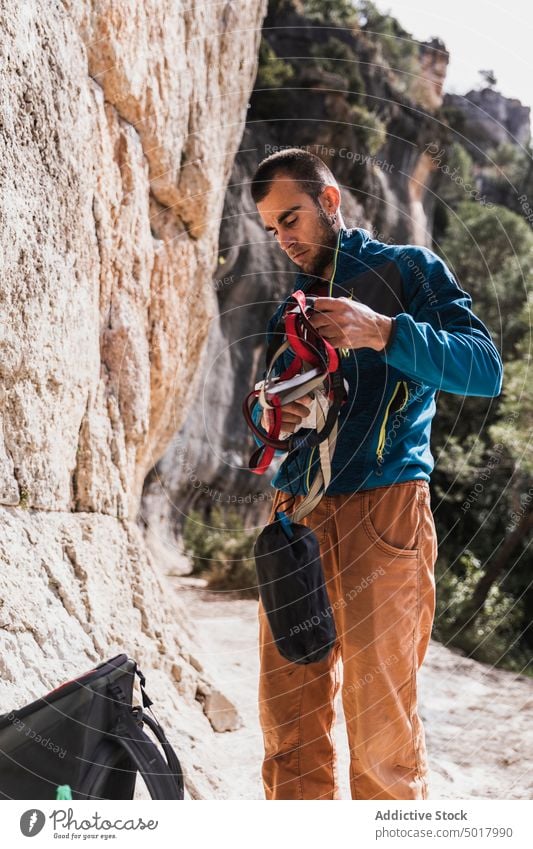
(309, 348)
(265, 454)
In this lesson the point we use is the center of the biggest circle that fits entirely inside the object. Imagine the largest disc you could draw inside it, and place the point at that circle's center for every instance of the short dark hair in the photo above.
(308, 170)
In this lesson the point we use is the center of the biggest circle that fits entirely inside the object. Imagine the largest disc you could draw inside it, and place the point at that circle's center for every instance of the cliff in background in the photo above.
(114, 166)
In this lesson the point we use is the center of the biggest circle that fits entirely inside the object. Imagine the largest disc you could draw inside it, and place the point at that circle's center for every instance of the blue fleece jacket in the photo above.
(437, 343)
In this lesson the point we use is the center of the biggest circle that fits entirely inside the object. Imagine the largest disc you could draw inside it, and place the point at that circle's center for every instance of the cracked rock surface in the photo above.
(114, 162)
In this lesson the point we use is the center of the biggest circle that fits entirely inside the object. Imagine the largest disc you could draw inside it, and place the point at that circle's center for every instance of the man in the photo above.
(405, 330)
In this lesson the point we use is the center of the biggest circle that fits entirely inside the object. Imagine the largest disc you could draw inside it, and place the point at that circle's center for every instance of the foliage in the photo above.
(272, 87)
(491, 639)
(508, 175)
(272, 71)
(506, 164)
(483, 473)
(490, 250)
(460, 163)
(517, 402)
(337, 57)
(369, 130)
(337, 12)
(398, 49)
(221, 551)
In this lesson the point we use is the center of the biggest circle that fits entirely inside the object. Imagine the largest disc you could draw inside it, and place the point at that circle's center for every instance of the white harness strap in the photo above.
(323, 475)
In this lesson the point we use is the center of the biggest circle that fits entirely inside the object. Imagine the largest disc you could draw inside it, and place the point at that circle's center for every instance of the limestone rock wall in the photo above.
(119, 123)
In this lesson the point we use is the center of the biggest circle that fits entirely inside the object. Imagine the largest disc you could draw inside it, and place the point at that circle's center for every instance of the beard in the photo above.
(325, 244)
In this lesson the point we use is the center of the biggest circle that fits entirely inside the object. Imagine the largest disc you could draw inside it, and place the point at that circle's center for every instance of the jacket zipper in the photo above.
(383, 429)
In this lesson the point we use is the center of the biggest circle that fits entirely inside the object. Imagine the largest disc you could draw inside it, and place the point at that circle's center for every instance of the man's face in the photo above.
(300, 227)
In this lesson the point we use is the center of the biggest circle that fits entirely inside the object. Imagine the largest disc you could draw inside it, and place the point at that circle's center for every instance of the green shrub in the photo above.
(369, 130)
(272, 71)
(337, 12)
(337, 57)
(491, 639)
(397, 48)
(221, 551)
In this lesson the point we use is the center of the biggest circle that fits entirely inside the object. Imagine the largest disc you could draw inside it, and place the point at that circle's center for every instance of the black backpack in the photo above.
(86, 734)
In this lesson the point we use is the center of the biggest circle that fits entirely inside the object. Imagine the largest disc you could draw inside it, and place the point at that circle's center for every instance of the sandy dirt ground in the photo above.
(478, 720)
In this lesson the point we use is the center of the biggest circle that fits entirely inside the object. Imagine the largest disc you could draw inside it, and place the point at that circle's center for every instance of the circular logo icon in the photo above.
(32, 822)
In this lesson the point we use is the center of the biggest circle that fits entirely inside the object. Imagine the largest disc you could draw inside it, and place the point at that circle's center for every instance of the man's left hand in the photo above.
(349, 324)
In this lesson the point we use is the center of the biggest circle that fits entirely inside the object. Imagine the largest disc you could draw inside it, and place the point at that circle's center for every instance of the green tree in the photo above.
(272, 71)
(484, 518)
(337, 57)
(490, 250)
(338, 12)
(398, 50)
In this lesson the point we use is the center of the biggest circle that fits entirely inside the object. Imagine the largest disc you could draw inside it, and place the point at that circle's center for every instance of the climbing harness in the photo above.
(314, 370)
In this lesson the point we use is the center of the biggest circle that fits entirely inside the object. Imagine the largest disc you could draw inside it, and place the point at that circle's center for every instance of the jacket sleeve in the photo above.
(439, 341)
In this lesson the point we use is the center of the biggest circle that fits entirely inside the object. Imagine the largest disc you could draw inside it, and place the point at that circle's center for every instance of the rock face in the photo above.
(426, 87)
(114, 166)
(490, 120)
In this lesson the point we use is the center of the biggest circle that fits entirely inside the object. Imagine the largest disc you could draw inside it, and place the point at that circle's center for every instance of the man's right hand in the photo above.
(291, 414)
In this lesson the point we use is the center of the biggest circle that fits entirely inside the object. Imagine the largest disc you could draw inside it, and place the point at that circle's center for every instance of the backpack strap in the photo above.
(163, 777)
(170, 754)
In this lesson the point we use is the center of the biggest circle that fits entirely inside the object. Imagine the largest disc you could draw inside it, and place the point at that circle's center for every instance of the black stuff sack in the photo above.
(293, 592)
(87, 734)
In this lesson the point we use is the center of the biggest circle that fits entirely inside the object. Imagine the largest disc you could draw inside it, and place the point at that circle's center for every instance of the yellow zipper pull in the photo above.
(383, 428)
(406, 392)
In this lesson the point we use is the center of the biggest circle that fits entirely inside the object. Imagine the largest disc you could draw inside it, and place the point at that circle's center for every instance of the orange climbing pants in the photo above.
(378, 551)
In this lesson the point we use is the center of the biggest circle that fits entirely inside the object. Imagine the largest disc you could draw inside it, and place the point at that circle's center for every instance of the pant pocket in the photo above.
(391, 518)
